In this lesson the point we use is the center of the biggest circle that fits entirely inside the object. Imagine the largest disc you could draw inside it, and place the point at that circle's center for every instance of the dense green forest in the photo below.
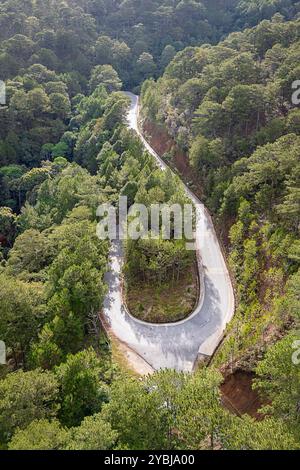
(217, 77)
(230, 108)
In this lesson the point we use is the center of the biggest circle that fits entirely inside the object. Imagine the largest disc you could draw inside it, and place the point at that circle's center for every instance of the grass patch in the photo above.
(118, 357)
(168, 303)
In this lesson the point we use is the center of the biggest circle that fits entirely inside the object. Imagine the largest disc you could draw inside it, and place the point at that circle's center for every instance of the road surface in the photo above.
(178, 345)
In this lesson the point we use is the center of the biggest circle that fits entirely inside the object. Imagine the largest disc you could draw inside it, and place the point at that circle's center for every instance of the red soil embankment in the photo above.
(162, 143)
(238, 396)
(2, 239)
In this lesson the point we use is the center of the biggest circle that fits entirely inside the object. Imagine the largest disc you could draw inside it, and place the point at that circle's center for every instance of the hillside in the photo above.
(229, 108)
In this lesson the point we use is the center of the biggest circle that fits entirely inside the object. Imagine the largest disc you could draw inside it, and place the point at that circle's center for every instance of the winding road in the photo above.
(175, 346)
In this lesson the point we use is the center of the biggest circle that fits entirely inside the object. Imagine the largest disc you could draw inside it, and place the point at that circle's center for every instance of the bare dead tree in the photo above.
(94, 324)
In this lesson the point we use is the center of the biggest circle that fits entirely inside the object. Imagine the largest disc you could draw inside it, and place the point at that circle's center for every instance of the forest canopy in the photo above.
(216, 81)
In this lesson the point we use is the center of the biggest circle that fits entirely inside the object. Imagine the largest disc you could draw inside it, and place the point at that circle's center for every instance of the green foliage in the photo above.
(40, 435)
(57, 196)
(156, 261)
(135, 414)
(31, 252)
(168, 410)
(200, 416)
(224, 93)
(107, 76)
(7, 225)
(22, 307)
(75, 288)
(25, 397)
(279, 380)
(268, 434)
(82, 393)
(93, 434)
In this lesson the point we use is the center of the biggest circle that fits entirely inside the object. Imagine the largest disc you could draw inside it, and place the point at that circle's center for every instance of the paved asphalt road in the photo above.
(175, 346)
